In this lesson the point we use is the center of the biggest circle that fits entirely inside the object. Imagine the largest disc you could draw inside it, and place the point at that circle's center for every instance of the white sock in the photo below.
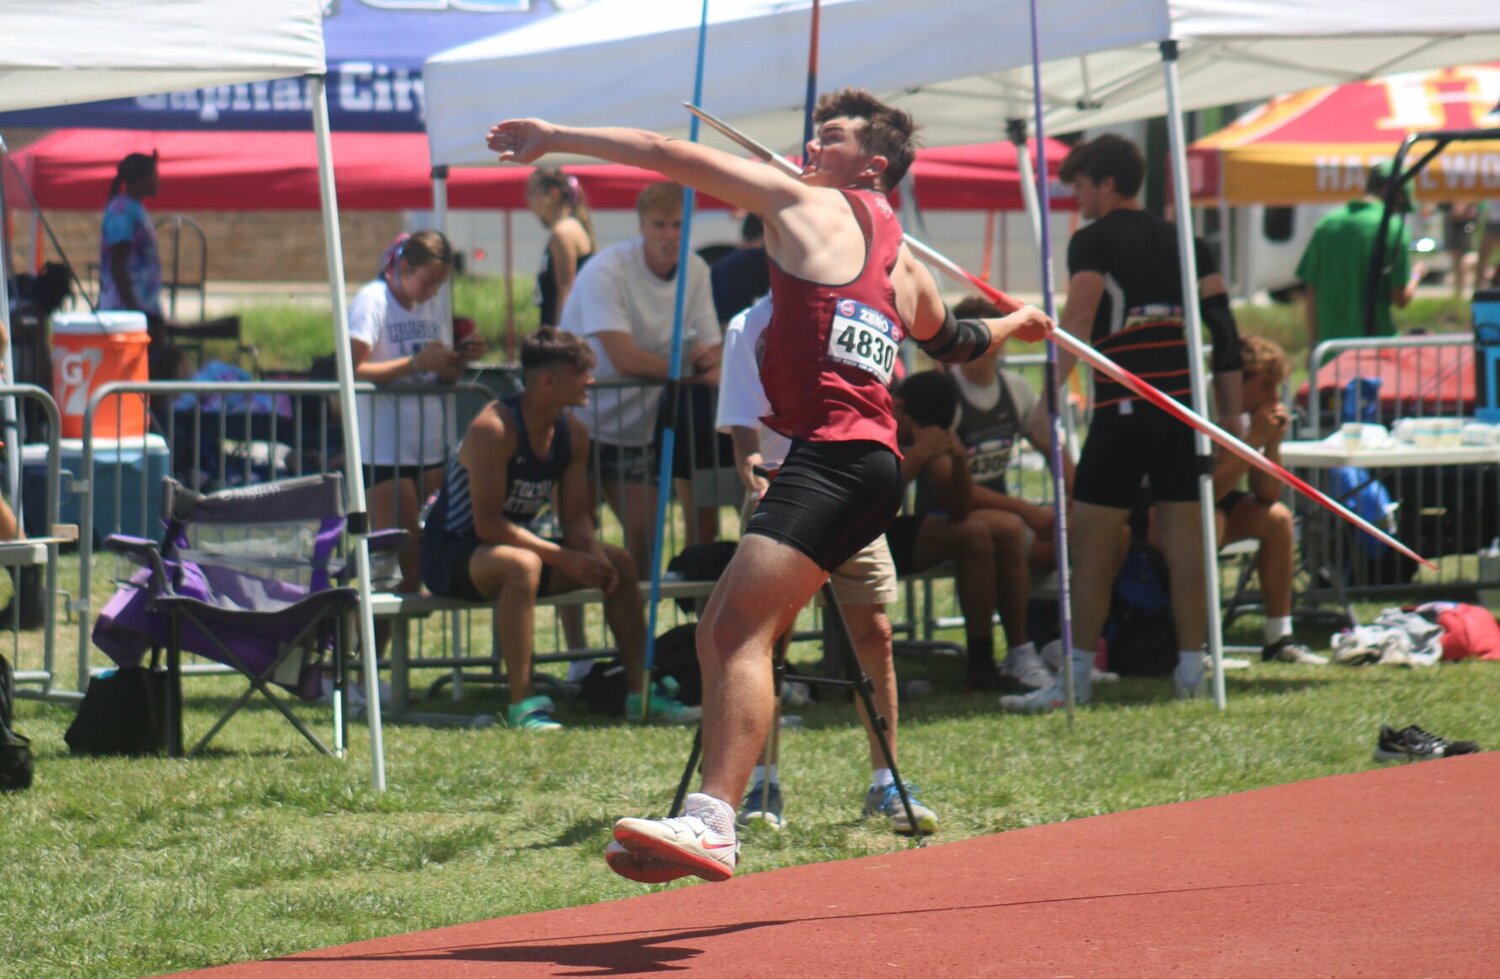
(1277, 628)
(881, 777)
(1025, 649)
(1192, 660)
(717, 813)
(764, 773)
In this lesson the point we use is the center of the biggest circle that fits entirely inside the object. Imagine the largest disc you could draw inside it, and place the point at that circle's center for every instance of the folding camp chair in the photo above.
(252, 577)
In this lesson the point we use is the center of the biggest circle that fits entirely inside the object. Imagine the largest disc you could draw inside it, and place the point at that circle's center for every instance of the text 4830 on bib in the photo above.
(863, 337)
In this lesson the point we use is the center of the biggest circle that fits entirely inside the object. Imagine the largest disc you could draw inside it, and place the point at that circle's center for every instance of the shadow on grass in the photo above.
(579, 833)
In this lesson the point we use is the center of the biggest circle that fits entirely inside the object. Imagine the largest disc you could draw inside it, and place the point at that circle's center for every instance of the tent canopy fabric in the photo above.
(959, 67)
(1318, 146)
(71, 170)
(375, 50)
(68, 51)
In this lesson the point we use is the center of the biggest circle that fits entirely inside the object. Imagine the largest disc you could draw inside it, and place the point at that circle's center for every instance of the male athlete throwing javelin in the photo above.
(846, 293)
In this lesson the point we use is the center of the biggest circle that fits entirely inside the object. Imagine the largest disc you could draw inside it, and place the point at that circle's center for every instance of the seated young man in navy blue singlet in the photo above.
(477, 543)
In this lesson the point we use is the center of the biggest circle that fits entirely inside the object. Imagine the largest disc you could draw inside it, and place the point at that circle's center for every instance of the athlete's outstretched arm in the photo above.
(954, 341)
(748, 184)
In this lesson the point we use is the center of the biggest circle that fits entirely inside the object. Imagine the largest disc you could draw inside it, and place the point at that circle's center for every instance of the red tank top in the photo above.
(830, 350)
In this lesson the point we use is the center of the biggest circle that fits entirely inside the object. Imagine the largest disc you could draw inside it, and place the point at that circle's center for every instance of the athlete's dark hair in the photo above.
(567, 187)
(134, 167)
(548, 346)
(976, 308)
(889, 132)
(929, 398)
(1107, 156)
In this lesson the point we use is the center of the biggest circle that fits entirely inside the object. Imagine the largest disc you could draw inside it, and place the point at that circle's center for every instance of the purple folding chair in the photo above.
(253, 577)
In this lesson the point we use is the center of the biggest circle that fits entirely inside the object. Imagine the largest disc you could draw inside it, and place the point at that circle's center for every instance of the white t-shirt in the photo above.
(400, 431)
(616, 292)
(742, 397)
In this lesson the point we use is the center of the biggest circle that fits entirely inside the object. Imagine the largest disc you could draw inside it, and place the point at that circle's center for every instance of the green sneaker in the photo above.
(664, 705)
(534, 714)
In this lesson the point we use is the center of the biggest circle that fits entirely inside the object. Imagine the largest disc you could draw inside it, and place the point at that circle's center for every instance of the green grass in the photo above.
(262, 848)
(288, 337)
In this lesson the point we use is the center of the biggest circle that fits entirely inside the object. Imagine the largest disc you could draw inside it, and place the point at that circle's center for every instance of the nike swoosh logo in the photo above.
(715, 846)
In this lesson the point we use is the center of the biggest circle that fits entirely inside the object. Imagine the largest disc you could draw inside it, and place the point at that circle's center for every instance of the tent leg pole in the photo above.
(359, 517)
(1182, 207)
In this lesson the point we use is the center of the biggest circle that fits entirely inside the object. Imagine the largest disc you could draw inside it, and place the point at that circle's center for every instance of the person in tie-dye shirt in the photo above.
(130, 268)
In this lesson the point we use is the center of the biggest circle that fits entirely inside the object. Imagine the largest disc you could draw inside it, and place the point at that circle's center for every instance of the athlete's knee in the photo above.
(1279, 521)
(523, 569)
(622, 562)
(869, 629)
(975, 538)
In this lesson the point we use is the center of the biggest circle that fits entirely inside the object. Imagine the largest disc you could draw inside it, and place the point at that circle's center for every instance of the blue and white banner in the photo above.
(375, 50)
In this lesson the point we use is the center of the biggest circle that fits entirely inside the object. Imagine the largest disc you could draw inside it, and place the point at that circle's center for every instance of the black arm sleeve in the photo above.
(957, 341)
(1219, 319)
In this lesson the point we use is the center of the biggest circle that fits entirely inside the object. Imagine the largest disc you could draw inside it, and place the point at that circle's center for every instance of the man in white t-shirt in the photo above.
(623, 303)
(863, 584)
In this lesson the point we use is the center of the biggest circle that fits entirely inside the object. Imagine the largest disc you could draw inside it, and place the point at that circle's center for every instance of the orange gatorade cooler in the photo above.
(89, 350)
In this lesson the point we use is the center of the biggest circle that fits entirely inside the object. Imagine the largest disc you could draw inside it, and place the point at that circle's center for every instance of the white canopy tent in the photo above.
(67, 51)
(952, 65)
(958, 67)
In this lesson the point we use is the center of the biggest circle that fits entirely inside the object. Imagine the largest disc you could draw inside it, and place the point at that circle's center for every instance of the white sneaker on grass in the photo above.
(1026, 665)
(1054, 696)
(696, 842)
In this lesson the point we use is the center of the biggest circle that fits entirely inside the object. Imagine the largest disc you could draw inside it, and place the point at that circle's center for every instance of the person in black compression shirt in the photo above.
(1125, 298)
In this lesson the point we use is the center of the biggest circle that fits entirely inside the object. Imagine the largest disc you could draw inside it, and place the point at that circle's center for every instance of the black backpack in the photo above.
(1140, 632)
(603, 688)
(16, 763)
(122, 713)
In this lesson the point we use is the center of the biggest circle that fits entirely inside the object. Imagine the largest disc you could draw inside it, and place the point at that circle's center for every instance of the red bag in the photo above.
(1469, 631)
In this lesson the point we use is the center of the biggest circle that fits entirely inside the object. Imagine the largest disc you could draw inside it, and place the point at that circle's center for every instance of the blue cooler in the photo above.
(1487, 354)
(127, 485)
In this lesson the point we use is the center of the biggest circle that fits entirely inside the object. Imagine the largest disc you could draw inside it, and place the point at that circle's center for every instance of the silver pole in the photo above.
(359, 516)
(1194, 328)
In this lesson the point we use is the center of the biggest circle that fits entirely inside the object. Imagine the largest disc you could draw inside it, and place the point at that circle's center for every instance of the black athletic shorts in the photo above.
(1122, 449)
(387, 471)
(830, 499)
(901, 536)
(1230, 500)
(445, 567)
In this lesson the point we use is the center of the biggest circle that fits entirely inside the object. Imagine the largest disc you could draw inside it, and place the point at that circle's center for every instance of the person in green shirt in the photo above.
(1336, 265)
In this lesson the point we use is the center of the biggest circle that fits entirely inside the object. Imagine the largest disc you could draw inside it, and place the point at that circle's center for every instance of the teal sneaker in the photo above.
(534, 714)
(885, 801)
(664, 705)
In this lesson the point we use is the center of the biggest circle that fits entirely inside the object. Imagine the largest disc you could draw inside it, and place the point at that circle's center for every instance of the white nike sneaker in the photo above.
(686, 841)
(641, 869)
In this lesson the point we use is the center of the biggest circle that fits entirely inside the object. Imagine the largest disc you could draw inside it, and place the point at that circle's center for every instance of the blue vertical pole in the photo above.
(1055, 394)
(674, 379)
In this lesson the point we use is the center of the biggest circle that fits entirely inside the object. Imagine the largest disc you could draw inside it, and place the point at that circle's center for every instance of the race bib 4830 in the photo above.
(863, 337)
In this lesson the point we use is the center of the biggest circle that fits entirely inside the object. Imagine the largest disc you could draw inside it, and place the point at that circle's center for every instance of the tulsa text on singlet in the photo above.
(831, 349)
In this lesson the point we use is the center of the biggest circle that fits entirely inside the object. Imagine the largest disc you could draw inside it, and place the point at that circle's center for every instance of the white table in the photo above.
(1399, 455)
(1322, 455)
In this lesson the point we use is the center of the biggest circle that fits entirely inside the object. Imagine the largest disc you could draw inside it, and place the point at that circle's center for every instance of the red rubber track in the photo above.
(1394, 872)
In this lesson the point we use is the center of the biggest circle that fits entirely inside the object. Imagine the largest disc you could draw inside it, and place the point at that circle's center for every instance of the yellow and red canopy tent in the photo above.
(1317, 146)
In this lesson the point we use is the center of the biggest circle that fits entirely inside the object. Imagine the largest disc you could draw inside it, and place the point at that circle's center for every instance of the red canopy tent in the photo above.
(71, 169)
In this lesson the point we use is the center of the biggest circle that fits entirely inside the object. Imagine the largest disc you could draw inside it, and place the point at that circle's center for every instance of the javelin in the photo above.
(1094, 358)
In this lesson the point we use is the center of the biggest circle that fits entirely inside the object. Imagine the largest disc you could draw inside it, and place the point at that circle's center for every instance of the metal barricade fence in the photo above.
(34, 555)
(1447, 513)
(229, 433)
